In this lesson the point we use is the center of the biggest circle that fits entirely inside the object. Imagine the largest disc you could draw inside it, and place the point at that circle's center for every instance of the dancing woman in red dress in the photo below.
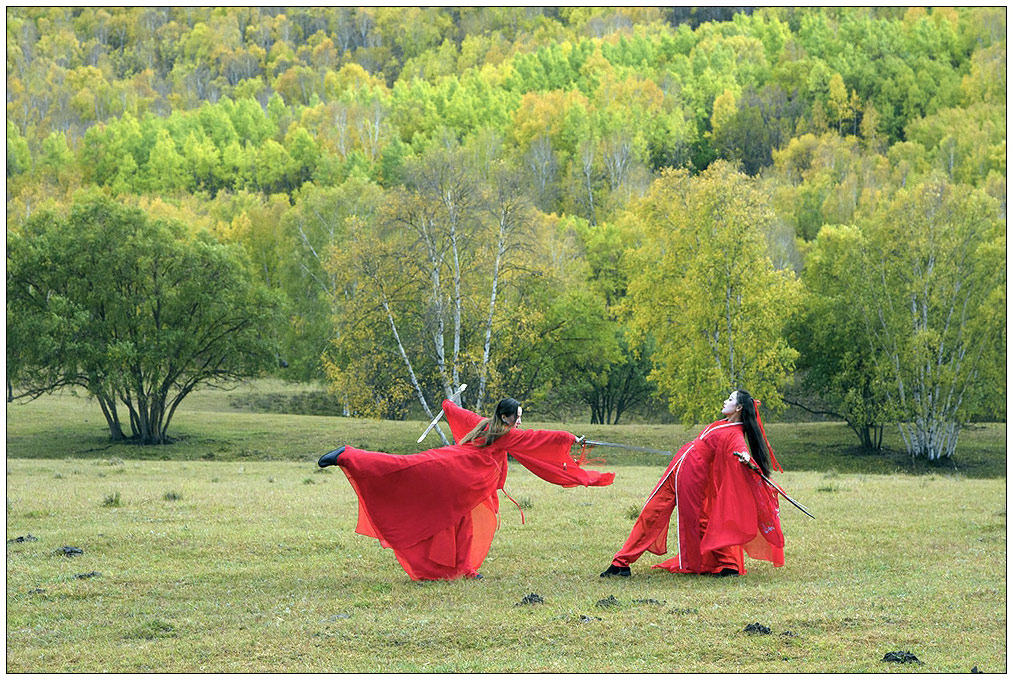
(438, 509)
(724, 507)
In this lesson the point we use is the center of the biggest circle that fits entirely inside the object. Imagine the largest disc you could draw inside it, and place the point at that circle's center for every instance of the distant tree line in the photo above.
(610, 210)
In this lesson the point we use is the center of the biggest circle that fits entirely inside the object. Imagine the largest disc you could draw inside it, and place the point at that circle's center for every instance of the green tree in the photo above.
(315, 227)
(19, 158)
(837, 366)
(704, 286)
(612, 387)
(136, 311)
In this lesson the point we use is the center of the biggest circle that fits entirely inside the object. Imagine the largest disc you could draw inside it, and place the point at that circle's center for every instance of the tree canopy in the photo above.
(621, 212)
(136, 311)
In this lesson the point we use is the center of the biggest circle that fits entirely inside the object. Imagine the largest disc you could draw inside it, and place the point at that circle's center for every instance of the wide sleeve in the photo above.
(461, 420)
(744, 510)
(546, 453)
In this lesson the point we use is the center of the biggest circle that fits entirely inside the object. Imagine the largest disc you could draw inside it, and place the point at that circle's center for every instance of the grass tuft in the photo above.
(152, 629)
(172, 496)
(112, 500)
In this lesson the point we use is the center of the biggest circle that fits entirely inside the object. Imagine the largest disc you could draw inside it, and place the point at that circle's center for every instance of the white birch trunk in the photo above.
(437, 301)
(408, 365)
(455, 360)
(587, 166)
(492, 307)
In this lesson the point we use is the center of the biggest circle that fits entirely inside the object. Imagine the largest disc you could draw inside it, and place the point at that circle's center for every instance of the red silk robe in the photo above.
(438, 509)
(723, 509)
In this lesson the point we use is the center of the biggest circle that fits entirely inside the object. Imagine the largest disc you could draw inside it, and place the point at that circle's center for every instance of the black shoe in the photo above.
(613, 570)
(331, 457)
(727, 571)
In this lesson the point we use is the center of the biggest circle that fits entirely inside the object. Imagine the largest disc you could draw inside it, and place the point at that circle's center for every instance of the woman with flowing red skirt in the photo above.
(724, 508)
(438, 509)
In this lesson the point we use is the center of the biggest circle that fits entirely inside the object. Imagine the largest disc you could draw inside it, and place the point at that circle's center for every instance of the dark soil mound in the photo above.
(531, 598)
(901, 657)
(757, 629)
(607, 602)
(23, 539)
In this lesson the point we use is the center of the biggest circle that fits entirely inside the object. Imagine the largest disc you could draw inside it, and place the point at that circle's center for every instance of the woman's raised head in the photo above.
(508, 411)
(507, 415)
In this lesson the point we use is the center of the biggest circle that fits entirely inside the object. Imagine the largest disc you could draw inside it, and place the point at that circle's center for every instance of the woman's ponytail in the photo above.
(759, 448)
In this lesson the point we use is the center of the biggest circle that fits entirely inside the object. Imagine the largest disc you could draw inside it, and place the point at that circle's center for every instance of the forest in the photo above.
(619, 213)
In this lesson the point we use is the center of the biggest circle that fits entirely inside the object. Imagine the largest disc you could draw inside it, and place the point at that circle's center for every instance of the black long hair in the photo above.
(754, 435)
(491, 429)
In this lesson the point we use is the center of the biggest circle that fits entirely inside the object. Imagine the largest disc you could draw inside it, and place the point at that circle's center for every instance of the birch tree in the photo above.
(934, 302)
(510, 212)
(446, 197)
(376, 318)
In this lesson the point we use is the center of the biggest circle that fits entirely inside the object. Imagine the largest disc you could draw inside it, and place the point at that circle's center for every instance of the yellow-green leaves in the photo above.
(702, 284)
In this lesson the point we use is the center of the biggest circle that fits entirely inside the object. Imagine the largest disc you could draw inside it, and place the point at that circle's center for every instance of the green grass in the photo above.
(244, 574)
(208, 427)
(231, 552)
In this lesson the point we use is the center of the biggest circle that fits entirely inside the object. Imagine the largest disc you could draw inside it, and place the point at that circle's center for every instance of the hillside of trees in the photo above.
(605, 211)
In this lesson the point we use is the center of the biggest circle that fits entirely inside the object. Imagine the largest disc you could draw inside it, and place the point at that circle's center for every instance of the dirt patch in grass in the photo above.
(531, 598)
(23, 539)
(757, 629)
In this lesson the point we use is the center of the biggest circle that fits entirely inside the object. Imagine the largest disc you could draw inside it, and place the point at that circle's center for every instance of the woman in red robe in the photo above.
(724, 507)
(438, 509)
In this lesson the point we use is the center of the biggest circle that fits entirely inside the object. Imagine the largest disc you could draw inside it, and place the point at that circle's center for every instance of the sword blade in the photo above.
(627, 447)
(439, 415)
(779, 490)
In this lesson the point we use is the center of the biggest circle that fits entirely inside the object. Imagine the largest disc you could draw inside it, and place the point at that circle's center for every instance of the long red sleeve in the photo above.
(461, 420)
(546, 453)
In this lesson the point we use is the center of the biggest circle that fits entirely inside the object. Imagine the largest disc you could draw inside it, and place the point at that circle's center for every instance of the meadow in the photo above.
(231, 552)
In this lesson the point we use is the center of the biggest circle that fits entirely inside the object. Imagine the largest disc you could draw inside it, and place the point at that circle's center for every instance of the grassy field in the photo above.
(250, 564)
(208, 427)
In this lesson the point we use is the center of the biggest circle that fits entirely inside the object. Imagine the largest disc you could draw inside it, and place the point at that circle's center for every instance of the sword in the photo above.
(755, 468)
(625, 446)
(439, 415)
